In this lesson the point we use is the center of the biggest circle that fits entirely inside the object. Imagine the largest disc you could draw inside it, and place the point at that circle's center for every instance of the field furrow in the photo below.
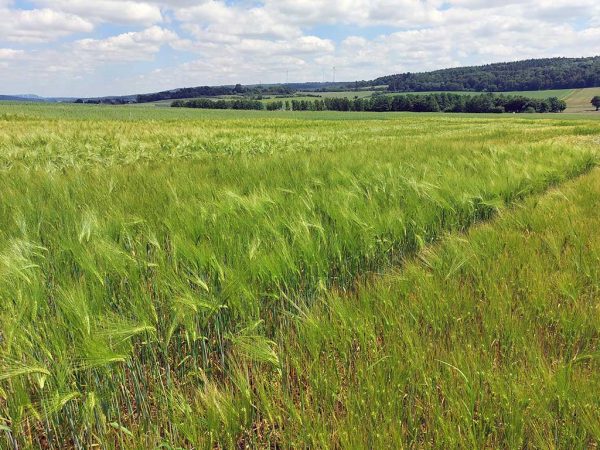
(489, 340)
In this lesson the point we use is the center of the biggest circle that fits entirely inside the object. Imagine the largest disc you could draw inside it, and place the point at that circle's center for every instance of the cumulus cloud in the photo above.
(360, 12)
(40, 25)
(112, 11)
(220, 18)
(133, 46)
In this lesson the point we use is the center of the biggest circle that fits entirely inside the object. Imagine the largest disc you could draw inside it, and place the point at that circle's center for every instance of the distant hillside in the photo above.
(529, 75)
(238, 89)
(254, 90)
(21, 98)
(34, 98)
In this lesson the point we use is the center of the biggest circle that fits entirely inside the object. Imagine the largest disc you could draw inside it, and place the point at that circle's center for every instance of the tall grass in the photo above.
(489, 340)
(150, 270)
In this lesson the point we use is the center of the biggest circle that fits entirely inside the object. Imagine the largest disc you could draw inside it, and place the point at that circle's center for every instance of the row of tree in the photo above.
(206, 103)
(439, 102)
(533, 74)
(106, 101)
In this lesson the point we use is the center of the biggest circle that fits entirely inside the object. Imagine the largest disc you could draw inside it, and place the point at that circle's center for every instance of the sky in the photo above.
(85, 48)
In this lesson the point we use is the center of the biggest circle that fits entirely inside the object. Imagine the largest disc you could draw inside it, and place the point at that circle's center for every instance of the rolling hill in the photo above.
(528, 75)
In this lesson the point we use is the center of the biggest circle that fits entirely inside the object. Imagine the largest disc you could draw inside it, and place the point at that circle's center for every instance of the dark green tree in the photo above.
(557, 105)
(596, 102)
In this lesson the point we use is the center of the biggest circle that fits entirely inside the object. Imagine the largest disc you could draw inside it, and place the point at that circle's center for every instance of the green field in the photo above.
(578, 100)
(340, 94)
(176, 278)
(560, 93)
(149, 112)
(273, 98)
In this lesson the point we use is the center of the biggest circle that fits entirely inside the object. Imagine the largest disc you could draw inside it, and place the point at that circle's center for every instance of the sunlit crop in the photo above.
(191, 280)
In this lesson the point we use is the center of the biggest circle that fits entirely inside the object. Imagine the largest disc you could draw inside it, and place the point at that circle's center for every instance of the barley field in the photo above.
(215, 279)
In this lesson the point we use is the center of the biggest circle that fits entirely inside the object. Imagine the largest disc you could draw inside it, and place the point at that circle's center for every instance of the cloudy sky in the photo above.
(102, 47)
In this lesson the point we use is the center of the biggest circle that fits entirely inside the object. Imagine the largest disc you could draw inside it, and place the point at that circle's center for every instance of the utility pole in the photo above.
(334, 74)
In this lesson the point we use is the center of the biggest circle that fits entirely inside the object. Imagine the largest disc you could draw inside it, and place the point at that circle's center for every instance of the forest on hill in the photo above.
(528, 75)
(214, 91)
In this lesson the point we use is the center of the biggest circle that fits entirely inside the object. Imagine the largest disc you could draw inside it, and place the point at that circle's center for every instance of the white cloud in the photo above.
(398, 13)
(9, 53)
(282, 18)
(134, 46)
(112, 11)
(217, 17)
(39, 25)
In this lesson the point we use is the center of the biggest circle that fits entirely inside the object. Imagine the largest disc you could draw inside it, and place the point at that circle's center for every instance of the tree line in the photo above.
(106, 101)
(438, 102)
(206, 103)
(214, 91)
(528, 75)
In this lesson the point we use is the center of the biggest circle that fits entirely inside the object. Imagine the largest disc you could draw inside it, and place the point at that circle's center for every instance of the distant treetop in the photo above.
(529, 75)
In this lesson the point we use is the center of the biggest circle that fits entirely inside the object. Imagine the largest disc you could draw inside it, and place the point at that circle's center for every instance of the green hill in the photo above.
(528, 75)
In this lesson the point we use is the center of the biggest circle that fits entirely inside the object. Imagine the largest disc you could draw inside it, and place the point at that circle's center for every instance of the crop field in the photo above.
(337, 94)
(184, 279)
(578, 100)
(274, 98)
(562, 94)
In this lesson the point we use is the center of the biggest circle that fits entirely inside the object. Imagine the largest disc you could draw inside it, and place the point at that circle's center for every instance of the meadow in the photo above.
(216, 279)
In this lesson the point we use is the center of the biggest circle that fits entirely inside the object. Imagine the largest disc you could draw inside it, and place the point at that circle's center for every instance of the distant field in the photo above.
(273, 98)
(560, 93)
(311, 96)
(149, 111)
(579, 101)
(348, 94)
(176, 279)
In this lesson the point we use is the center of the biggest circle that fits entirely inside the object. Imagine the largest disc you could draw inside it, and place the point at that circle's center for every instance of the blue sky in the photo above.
(103, 47)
